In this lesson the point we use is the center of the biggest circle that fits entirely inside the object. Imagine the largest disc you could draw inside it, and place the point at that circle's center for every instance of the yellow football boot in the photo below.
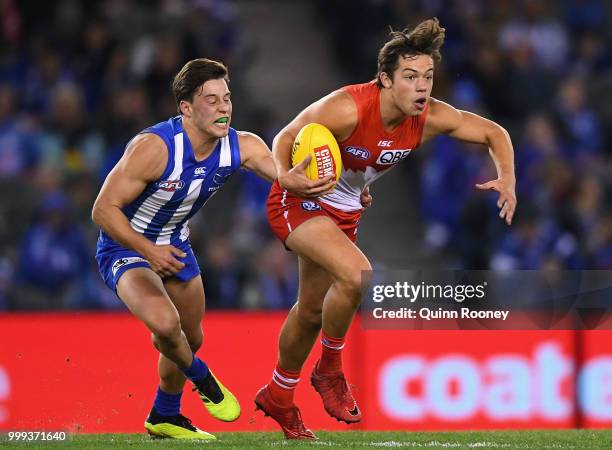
(218, 400)
(174, 427)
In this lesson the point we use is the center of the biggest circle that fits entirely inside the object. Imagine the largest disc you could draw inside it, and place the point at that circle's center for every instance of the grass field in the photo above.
(578, 439)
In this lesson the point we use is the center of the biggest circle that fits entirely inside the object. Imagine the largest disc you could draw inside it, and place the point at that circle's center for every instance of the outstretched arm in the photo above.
(469, 127)
(256, 156)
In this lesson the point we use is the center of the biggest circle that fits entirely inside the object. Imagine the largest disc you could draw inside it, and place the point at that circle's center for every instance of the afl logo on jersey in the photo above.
(310, 206)
(358, 152)
(171, 186)
(387, 157)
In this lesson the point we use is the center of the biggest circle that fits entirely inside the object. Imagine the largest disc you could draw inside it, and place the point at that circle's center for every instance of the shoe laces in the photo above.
(296, 419)
(185, 422)
(338, 381)
(209, 388)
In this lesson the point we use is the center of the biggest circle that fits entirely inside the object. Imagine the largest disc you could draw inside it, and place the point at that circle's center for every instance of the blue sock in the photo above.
(167, 404)
(197, 371)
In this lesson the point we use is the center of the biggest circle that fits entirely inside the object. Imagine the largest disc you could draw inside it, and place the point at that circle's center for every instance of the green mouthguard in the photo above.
(222, 120)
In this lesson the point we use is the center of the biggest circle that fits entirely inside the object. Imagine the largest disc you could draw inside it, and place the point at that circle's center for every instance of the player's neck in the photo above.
(202, 144)
(390, 115)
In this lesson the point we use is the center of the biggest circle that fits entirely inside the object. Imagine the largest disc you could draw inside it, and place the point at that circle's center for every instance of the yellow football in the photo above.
(318, 141)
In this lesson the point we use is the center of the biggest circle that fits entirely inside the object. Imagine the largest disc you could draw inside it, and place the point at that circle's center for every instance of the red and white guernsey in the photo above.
(371, 150)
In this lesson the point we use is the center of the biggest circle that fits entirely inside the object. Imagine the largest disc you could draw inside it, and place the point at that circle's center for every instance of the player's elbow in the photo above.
(283, 136)
(95, 213)
(98, 212)
(498, 129)
(497, 133)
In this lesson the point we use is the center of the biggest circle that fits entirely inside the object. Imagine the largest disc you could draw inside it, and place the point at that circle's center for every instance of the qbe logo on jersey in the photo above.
(388, 157)
(325, 162)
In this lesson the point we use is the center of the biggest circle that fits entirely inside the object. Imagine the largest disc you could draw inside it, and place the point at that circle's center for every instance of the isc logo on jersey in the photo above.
(171, 186)
(387, 157)
(358, 152)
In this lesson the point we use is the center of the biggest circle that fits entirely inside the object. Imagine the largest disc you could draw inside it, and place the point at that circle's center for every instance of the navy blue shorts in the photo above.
(114, 260)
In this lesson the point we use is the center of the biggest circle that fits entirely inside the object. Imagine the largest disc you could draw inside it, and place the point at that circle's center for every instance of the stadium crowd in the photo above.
(79, 79)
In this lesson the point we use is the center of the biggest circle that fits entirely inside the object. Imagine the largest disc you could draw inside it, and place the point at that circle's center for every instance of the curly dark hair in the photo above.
(424, 39)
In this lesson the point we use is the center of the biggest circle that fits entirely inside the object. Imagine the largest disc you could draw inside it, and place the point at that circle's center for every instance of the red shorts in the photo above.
(286, 212)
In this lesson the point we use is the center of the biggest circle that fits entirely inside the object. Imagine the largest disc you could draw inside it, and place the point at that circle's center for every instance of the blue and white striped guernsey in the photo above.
(161, 213)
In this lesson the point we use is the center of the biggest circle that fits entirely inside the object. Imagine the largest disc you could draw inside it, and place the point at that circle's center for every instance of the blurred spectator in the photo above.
(128, 113)
(223, 274)
(167, 57)
(588, 205)
(47, 73)
(536, 242)
(601, 243)
(582, 16)
(539, 144)
(490, 70)
(69, 143)
(277, 277)
(529, 86)
(534, 29)
(19, 149)
(11, 24)
(54, 258)
(578, 122)
(93, 57)
(591, 54)
(448, 176)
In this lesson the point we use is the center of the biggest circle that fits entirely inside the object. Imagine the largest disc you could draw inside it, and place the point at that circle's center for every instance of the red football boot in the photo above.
(336, 394)
(288, 417)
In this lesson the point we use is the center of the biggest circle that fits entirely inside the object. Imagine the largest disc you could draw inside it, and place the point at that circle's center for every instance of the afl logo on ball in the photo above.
(310, 206)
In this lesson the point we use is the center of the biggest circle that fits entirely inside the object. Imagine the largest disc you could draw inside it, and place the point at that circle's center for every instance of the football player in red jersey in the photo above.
(376, 124)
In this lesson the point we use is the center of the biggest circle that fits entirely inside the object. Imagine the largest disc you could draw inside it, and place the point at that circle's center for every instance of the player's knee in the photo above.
(354, 281)
(166, 327)
(311, 317)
